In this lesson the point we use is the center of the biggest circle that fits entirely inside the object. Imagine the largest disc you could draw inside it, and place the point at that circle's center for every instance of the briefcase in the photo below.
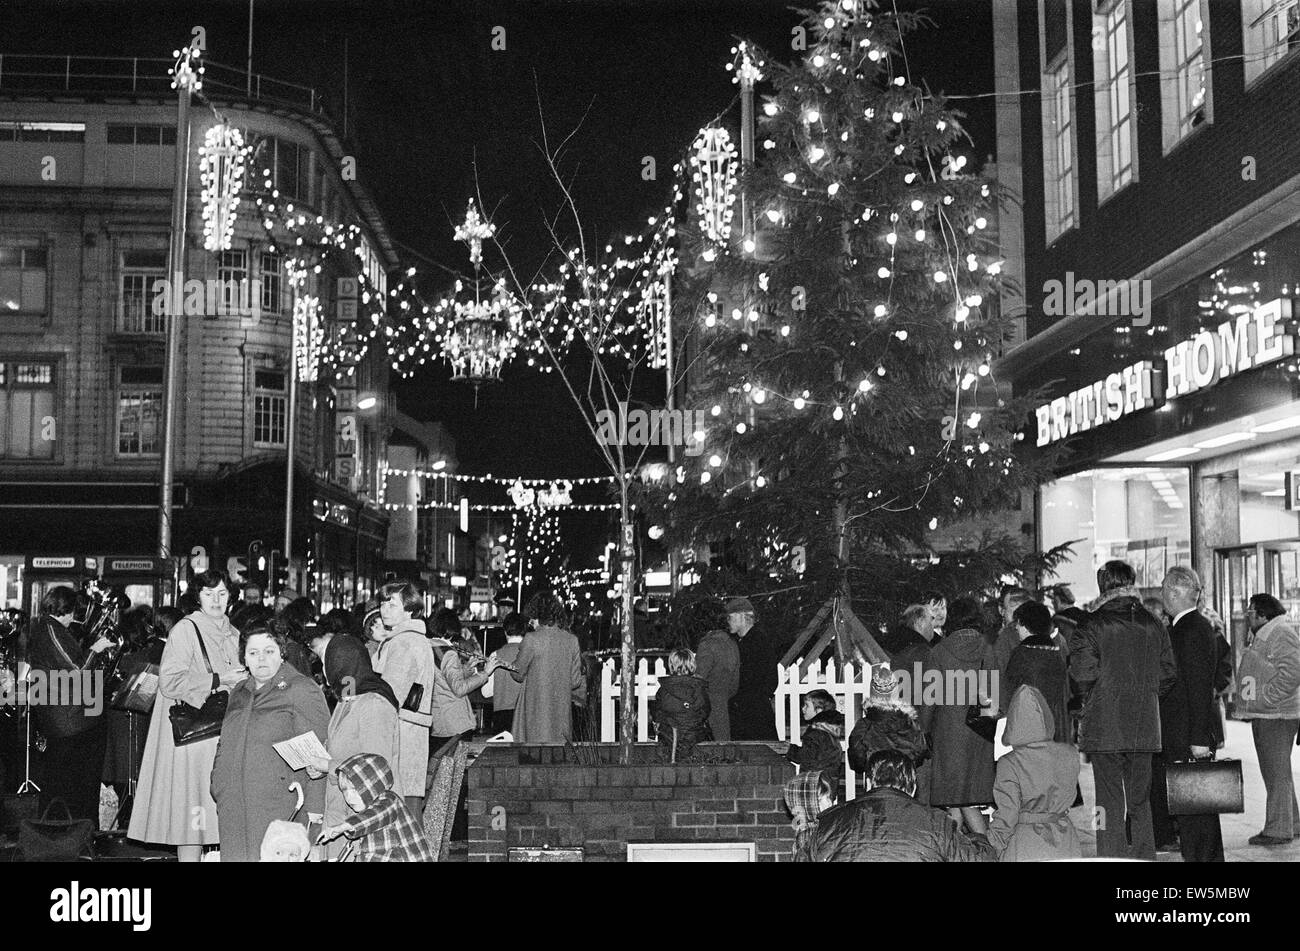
(1204, 787)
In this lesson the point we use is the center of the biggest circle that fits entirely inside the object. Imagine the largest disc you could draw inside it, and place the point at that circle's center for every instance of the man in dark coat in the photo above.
(1121, 658)
(753, 715)
(908, 642)
(887, 824)
(1188, 714)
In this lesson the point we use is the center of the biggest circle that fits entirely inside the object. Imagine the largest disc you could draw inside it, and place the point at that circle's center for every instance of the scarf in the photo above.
(1127, 591)
(348, 669)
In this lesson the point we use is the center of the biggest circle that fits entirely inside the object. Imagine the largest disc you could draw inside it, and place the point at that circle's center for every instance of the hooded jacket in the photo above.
(1034, 787)
(1123, 662)
(384, 830)
(820, 747)
(1268, 677)
(681, 702)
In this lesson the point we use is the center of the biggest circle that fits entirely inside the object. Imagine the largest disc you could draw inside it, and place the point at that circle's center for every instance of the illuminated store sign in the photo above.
(1103, 402)
(1251, 340)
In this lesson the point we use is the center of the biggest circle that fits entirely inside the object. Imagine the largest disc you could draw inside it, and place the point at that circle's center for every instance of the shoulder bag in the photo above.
(190, 724)
(48, 839)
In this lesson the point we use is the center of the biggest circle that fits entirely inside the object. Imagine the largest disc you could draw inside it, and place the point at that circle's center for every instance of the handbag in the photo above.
(413, 698)
(190, 724)
(983, 725)
(1204, 787)
(136, 694)
(48, 839)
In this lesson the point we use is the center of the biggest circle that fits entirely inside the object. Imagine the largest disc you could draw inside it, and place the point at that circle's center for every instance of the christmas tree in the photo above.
(841, 344)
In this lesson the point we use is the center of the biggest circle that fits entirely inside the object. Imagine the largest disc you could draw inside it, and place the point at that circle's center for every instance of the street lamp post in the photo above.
(186, 79)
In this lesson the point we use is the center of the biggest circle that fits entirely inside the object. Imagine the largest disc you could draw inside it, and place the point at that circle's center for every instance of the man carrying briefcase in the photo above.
(1188, 717)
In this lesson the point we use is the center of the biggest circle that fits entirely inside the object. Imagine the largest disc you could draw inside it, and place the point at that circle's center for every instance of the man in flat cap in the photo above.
(753, 716)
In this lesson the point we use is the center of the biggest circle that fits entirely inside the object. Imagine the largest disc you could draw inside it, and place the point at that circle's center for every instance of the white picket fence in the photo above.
(849, 685)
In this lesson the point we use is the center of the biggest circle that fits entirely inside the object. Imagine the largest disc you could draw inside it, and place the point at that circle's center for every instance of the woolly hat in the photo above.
(887, 728)
(285, 842)
(883, 686)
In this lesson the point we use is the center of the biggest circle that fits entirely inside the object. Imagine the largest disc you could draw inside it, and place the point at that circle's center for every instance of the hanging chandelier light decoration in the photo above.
(713, 162)
(221, 172)
(481, 336)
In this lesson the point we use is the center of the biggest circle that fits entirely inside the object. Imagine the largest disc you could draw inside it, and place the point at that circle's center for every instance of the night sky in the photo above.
(429, 103)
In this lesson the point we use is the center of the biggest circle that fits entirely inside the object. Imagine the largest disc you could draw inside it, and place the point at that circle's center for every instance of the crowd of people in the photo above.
(1134, 686)
(383, 690)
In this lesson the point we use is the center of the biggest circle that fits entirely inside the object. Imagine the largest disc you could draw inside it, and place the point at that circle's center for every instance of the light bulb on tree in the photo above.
(715, 461)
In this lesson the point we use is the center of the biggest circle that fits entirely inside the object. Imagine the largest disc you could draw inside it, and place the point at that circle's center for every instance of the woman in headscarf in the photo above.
(365, 721)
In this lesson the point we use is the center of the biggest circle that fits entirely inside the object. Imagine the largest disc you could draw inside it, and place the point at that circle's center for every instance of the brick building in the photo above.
(1149, 148)
(86, 175)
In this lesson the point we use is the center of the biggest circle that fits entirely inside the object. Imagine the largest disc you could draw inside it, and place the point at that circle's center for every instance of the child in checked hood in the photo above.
(382, 827)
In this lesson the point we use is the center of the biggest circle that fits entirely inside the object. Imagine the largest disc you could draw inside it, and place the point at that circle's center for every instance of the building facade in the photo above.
(1150, 149)
(86, 180)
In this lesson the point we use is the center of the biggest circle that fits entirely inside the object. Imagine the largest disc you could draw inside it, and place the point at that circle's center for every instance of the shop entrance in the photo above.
(1269, 567)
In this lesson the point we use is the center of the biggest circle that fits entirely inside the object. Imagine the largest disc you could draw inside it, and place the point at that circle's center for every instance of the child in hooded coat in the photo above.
(1034, 787)
(382, 826)
(681, 705)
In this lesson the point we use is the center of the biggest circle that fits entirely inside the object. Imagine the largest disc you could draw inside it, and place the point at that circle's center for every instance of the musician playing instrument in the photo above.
(71, 717)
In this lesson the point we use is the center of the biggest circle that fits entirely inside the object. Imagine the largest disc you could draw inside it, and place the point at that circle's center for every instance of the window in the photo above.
(27, 421)
(232, 273)
(1184, 69)
(290, 168)
(141, 271)
(24, 276)
(42, 132)
(270, 408)
(139, 411)
(1112, 67)
(1270, 29)
(272, 294)
(1140, 515)
(140, 155)
(157, 135)
(1058, 148)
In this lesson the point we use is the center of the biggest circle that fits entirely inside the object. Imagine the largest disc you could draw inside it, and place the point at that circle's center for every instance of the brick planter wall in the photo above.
(538, 796)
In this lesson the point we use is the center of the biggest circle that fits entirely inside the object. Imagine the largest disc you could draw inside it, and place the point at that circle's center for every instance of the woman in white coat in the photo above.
(405, 661)
(173, 800)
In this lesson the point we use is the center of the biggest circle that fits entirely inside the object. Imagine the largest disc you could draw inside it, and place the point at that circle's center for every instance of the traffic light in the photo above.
(279, 573)
(256, 573)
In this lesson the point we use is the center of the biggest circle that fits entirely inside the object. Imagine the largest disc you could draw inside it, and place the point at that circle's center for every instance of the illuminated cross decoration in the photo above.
(188, 71)
(747, 71)
(473, 232)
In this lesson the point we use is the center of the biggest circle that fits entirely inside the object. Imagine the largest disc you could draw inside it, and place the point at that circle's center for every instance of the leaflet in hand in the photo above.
(299, 751)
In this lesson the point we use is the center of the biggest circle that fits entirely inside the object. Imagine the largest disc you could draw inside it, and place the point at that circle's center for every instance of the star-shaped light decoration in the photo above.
(474, 231)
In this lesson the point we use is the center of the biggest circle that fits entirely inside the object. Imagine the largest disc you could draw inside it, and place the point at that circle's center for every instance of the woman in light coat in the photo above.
(1034, 787)
(364, 721)
(405, 660)
(173, 799)
(549, 666)
(1268, 695)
